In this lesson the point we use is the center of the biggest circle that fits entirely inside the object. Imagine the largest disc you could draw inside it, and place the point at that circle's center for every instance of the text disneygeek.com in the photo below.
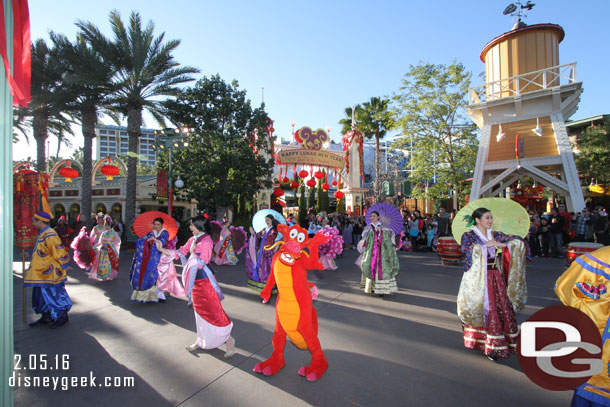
(26, 365)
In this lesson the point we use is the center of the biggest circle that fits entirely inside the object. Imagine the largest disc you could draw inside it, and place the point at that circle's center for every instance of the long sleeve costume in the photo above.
(379, 262)
(47, 275)
(492, 291)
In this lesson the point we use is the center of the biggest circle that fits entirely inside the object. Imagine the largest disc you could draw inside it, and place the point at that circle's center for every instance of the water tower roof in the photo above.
(504, 36)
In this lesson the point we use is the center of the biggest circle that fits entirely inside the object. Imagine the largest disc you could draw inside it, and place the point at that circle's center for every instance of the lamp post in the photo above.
(170, 139)
(293, 123)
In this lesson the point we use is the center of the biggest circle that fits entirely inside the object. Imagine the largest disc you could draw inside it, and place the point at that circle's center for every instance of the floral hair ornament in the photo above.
(469, 220)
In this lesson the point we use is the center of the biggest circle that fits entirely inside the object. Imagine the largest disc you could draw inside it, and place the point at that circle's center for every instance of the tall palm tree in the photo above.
(375, 120)
(146, 71)
(47, 107)
(89, 81)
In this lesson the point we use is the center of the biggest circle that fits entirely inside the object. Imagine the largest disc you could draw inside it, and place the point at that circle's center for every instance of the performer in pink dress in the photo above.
(213, 325)
(167, 280)
(107, 245)
(224, 248)
(329, 250)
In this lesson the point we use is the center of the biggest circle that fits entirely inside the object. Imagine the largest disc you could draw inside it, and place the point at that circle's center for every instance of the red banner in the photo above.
(26, 204)
(162, 187)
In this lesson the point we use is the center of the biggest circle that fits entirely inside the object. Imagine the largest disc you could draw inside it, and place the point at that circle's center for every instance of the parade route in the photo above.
(404, 349)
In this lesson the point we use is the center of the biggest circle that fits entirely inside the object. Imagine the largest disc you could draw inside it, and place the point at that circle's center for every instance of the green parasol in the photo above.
(509, 217)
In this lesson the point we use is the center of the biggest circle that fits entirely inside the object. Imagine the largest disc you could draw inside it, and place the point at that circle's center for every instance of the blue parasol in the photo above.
(389, 216)
(258, 221)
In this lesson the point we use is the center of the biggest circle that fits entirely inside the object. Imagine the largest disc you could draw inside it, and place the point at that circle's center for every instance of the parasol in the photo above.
(143, 223)
(258, 221)
(389, 216)
(509, 217)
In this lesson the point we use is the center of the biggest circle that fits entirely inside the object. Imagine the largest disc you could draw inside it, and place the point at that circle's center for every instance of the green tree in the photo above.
(429, 109)
(229, 155)
(146, 72)
(593, 153)
(373, 119)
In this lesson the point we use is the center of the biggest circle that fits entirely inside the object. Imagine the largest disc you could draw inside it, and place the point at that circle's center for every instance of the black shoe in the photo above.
(380, 295)
(161, 300)
(61, 321)
(492, 358)
(45, 319)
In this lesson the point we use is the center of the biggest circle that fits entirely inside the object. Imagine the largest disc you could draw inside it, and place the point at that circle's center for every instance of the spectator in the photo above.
(357, 231)
(567, 219)
(557, 229)
(532, 235)
(581, 225)
(544, 235)
(443, 223)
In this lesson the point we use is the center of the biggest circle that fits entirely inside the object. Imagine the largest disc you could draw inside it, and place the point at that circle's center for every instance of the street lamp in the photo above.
(170, 139)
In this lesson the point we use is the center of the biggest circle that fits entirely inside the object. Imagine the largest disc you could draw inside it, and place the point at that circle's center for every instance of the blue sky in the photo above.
(314, 58)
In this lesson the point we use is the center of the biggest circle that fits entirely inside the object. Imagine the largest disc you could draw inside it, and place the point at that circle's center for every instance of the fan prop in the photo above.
(239, 238)
(216, 230)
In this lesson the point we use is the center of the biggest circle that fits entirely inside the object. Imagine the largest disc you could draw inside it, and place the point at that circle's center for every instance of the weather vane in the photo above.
(518, 10)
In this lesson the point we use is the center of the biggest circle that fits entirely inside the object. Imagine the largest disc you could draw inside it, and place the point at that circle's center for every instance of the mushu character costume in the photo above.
(295, 315)
(585, 286)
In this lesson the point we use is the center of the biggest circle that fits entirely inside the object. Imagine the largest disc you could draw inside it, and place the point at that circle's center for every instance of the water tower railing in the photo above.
(524, 83)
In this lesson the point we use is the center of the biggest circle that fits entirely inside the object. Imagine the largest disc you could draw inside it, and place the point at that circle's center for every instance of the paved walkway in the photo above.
(405, 349)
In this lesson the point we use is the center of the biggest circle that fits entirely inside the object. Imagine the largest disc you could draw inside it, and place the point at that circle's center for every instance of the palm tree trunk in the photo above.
(88, 129)
(134, 123)
(40, 123)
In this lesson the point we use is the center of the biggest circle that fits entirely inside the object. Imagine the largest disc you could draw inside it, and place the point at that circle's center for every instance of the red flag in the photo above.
(19, 79)
(162, 187)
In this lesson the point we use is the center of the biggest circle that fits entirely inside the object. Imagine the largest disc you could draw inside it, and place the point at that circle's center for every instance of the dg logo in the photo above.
(559, 348)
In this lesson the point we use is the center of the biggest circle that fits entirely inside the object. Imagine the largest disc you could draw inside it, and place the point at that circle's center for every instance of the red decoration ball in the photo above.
(339, 194)
(325, 186)
(311, 183)
(285, 180)
(303, 173)
(294, 185)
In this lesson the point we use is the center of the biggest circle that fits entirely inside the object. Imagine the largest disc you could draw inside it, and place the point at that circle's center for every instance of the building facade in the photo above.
(114, 141)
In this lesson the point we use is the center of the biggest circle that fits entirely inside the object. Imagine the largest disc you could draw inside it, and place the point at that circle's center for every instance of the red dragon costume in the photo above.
(295, 315)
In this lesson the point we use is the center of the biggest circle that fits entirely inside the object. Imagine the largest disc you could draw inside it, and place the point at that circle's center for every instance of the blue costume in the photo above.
(144, 272)
(47, 276)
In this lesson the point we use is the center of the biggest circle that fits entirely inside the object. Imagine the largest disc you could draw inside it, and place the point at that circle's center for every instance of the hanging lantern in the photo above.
(334, 183)
(339, 194)
(325, 187)
(318, 174)
(311, 183)
(110, 171)
(303, 174)
(294, 185)
(68, 172)
(285, 180)
(278, 192)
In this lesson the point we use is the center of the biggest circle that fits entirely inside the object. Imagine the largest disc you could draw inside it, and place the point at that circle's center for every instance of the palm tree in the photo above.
(47, 108)
(89, 81)
(146, 71)
(372, 119)
(375, 120)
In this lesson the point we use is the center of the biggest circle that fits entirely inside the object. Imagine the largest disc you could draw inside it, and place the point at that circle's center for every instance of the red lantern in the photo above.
(334, 183)
(325, 187)
(311, 183)
(285, 180)
(540, 188)
(68, 173)
(110, 171)
(339, 194)
(294, 185)
(303, 174)
(318, 174)
(278, 192)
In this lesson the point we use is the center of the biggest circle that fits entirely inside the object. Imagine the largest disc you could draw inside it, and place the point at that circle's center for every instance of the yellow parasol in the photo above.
(509, 217)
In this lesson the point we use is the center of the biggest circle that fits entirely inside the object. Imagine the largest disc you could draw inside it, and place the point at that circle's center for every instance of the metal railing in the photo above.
(528, 82)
